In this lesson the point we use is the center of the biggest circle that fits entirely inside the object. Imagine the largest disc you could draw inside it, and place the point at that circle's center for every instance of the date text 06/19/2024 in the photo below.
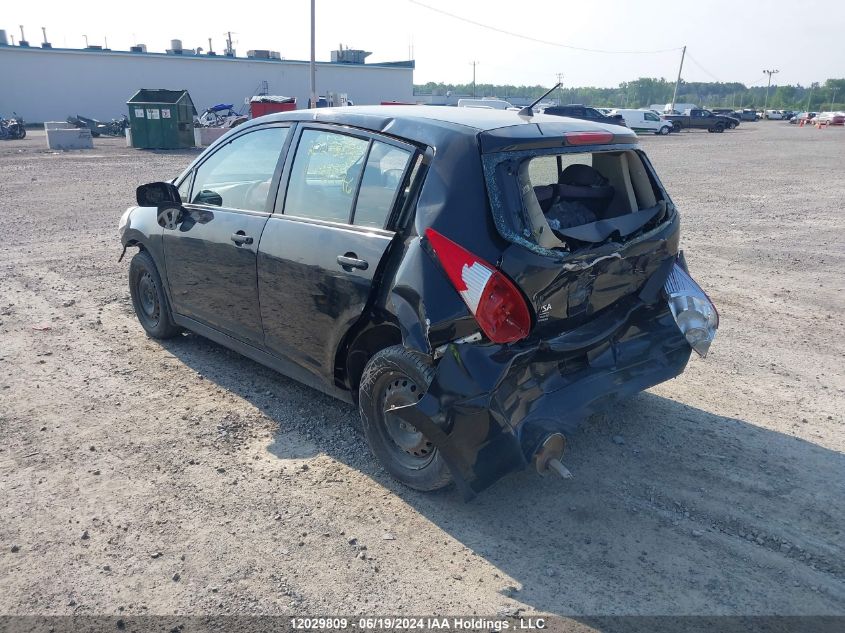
(419, 623)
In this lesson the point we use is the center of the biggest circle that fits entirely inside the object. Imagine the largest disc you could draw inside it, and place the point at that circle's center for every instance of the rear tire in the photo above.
(148, 297)
(719, 128)
(393, 377)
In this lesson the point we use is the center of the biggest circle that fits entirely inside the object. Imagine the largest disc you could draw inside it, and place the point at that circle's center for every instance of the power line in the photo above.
(707, 72)
(535, 39)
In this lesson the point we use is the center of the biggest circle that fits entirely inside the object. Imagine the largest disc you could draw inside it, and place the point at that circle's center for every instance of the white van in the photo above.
(680, 108)
(644, 121)
(491, 104)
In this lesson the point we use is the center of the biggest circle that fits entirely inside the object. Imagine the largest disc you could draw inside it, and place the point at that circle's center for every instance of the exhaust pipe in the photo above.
(547, 457)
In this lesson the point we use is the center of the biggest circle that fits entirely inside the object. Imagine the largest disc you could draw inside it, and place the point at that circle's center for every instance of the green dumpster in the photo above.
(161, 119)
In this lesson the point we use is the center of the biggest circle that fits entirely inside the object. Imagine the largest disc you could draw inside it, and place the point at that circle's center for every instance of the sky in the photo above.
(726, 40)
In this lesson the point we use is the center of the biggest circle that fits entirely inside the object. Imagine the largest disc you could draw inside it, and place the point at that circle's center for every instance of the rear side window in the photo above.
(382, 178)
(325, 175)
(238, 175)
(341, 178)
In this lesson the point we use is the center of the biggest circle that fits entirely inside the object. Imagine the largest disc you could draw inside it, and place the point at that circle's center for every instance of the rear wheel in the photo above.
(395, 377)
(148, 297)
(719, 128)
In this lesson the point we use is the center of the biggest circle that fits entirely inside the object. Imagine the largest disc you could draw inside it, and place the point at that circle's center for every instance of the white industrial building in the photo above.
(43, 84)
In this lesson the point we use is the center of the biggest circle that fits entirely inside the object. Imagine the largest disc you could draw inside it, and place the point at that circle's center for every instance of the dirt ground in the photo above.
(139, 477)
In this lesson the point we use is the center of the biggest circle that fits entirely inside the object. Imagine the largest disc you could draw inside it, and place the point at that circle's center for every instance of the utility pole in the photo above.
(680, 69)
(809, 98)
(766, 101)
(560, 89)
(312, 66)
(833, 100)
(474, 64)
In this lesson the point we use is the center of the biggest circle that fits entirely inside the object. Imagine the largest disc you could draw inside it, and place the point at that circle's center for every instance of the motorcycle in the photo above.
(115, 127)
(14, 128)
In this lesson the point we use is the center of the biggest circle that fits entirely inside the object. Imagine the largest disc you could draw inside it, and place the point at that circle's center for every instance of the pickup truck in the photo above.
(701, 119)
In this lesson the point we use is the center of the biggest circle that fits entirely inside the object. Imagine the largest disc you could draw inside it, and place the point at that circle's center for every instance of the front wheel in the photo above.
(663, 131)
(148, 297)
(396, 377)
(21, 132)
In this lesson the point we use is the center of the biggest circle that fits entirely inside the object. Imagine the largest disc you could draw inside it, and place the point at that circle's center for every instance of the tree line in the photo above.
(646, 91)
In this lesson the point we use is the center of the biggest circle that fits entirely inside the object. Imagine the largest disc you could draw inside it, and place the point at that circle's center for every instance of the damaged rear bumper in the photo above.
(490, 407)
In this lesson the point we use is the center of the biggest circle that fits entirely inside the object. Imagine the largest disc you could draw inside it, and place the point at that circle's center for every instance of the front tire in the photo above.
(394, 377)
(148, 297)
(663, 131)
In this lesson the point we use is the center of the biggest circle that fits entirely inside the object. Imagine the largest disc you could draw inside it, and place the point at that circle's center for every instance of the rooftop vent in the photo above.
(349, 55)
(263, 54)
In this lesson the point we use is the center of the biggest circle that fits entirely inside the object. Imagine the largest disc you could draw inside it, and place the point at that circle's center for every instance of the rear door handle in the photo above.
(350, 261)
(240, 239)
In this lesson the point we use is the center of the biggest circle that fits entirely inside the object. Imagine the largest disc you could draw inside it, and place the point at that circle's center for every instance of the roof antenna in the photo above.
(528, 111)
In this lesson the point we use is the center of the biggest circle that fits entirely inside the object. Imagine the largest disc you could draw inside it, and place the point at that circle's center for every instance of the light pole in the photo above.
(560, 89)
(474, 64)
(312, 64)
(833, 99)
(766, 101)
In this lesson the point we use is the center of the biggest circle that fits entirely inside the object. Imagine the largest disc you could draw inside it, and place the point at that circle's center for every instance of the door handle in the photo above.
(350, 261)
(240, 238)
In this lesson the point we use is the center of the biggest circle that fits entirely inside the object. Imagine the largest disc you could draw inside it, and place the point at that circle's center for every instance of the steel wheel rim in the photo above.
(407, 445)
(148, 297)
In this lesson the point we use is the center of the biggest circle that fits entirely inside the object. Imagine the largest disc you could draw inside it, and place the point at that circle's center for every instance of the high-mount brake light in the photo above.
(494, 300)
(587, 138)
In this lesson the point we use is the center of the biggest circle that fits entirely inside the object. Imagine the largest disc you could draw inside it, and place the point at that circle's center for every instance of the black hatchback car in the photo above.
(477, 282)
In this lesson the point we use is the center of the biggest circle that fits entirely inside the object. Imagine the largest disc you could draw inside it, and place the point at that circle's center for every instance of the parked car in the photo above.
(644, 121)
(774, 115)
(803, 116)
(701, 119)
(745, 115)
(477, 282)
(586, 113)
(830, 118)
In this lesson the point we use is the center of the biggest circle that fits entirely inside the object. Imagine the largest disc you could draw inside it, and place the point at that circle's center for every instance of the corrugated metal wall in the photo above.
(48, 85)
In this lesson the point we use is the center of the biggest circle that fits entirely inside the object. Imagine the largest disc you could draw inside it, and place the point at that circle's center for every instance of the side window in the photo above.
(650, 117)
(238, 175)
(325, 175)
(381, 181)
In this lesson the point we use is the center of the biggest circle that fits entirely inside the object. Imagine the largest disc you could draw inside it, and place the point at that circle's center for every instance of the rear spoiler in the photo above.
(545, 135)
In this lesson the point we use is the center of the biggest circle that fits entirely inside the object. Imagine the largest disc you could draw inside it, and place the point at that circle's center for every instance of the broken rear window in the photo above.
(548, 200)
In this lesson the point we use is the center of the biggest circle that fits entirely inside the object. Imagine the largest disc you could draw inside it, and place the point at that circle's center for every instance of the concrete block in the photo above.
(73, 138)
(205, 136)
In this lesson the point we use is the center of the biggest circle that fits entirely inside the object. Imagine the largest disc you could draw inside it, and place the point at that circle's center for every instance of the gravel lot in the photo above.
(147, 478)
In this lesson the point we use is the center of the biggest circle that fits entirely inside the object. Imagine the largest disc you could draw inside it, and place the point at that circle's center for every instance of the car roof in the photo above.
(430, 124)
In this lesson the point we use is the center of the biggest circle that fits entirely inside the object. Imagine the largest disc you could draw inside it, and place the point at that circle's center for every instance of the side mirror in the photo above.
(158, 194)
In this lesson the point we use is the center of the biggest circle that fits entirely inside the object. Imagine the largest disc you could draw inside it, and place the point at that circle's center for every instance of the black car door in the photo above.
(211, 254)
(321, 248)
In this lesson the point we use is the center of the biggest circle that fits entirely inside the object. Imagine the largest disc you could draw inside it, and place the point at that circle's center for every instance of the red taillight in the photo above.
(493, 299)
(587, 138)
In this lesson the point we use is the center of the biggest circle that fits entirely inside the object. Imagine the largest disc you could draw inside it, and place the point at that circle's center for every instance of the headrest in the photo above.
(582, 176)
